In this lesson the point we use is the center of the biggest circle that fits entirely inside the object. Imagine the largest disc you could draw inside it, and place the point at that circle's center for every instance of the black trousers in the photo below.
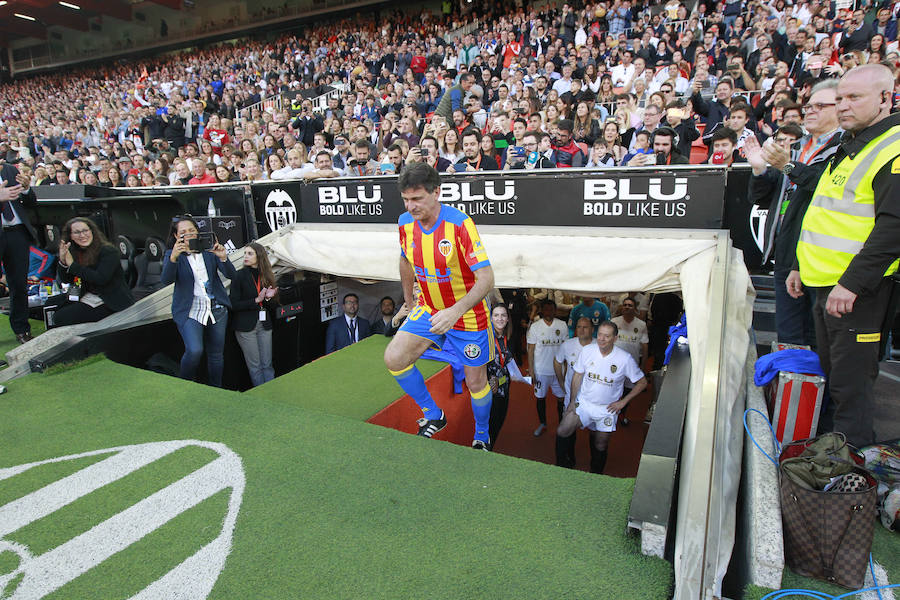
(78, 312)
(848, 350)
(14, 244)
(499, 407)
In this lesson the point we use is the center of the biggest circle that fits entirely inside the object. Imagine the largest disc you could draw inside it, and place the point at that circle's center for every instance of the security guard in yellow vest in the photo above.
(296, 105)
(849, 246)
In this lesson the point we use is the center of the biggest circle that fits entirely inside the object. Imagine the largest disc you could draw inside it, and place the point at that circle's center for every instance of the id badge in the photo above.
(263, 315)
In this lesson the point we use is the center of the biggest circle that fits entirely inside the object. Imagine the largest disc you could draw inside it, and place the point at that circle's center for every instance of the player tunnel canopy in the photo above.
(718, 299)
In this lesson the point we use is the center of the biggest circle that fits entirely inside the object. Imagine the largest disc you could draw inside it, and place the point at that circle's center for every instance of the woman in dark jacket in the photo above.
(498, 370)
(199, 302)
(253, 289)
(91, 263)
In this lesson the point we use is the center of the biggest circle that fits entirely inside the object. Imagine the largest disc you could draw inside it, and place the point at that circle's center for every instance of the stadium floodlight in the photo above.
(69, 5)
(26, 17)
(3, 2)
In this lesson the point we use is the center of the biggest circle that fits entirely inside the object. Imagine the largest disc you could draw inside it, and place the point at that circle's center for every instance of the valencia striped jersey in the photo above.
(444, 260)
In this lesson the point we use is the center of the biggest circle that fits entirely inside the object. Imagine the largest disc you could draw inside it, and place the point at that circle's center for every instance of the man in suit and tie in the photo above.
(348, 328)
(16, 236)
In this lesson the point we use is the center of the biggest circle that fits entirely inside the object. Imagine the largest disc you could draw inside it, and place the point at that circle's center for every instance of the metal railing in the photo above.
(272, 103)
(466, 29)
(320, 103)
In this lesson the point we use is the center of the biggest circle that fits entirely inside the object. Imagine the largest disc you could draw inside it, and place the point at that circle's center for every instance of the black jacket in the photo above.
(379, 327)
(771, 187)
(174, 130)
(713, 111)
(307, 127)
(104, 278)
(26, 200)
(244, 309)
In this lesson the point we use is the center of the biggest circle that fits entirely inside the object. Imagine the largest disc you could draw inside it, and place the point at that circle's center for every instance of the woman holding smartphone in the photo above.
(252, 291)
(199, 303)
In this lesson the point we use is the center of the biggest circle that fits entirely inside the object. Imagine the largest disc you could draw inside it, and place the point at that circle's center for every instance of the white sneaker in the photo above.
(541, 428)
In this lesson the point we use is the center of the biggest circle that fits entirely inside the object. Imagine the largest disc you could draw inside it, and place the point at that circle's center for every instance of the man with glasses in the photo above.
(848, 248)
(531, 158)
(347, 329)
(856, 33)
(652, 117)
(786, 187)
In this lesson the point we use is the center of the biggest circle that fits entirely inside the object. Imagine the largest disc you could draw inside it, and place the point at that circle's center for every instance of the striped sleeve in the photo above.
(470, 243)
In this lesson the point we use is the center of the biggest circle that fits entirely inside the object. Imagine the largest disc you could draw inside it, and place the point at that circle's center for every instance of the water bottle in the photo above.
(55, 289)
(42, 292)
(211, 208)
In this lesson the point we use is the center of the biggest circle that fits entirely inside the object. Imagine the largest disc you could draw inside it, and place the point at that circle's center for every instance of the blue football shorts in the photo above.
(474, 348)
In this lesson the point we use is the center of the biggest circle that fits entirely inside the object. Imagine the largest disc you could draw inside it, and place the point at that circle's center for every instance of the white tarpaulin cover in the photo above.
(712, 279)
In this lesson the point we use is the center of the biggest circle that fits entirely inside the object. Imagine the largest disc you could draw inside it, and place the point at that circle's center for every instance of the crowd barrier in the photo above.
(682, 197)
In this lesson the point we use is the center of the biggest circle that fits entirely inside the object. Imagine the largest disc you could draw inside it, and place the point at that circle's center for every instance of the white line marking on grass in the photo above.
(881, 578)
(193, 578)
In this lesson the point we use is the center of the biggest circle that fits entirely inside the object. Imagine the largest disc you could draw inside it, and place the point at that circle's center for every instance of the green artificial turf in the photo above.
(352, 382)
(333, 507)
(8, 338)
(885, 550)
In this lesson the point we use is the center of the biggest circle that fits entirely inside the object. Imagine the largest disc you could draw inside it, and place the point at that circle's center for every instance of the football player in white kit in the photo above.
(565, 359)
(632, 337)
(600, 373)
(544, 337)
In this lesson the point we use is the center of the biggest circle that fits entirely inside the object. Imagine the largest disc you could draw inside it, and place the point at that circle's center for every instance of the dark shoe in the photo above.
(625, 421)
(24, 337)
(479, 445)
(429, 427)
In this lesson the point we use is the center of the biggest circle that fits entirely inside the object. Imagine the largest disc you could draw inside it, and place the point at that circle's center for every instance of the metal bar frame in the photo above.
(704, 475)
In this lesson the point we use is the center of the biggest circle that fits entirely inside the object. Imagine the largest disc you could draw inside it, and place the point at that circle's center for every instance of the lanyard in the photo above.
(500, 350)
(807, 147)
(256, 282)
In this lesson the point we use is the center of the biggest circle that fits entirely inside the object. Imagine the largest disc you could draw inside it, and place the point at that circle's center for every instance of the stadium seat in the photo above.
(126, 258)
(698, 153)
(149, 264)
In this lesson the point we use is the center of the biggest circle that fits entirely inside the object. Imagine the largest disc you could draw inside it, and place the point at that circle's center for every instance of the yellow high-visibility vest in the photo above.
(841, 214)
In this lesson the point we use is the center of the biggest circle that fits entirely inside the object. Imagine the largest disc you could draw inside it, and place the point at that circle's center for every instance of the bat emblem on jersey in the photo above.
(445, 247)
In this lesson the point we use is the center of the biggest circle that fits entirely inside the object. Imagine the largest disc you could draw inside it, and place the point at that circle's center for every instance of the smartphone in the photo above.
(387, 167)
(718, 158)
(651, 159)
(203, 241)
(460, 167)
(532, 158)
(518, 150)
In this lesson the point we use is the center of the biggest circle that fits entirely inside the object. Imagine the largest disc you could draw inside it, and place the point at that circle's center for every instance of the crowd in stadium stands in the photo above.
(616, 83)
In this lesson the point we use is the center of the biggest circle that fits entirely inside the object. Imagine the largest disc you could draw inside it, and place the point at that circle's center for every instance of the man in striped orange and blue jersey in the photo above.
(442, 251)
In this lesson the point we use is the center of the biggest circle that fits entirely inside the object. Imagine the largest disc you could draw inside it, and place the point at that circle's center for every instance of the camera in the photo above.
(204, 241)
